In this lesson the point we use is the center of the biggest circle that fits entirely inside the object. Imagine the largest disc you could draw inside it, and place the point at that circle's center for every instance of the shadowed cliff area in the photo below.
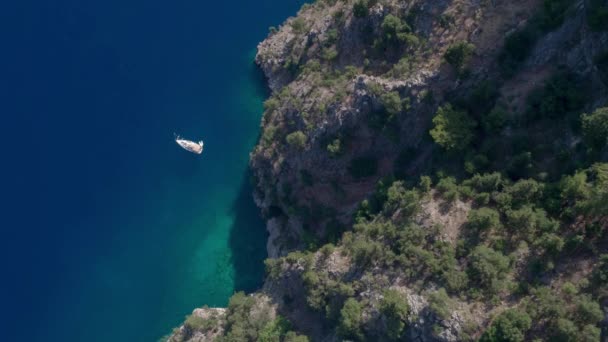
(248, 235)
(247, 241)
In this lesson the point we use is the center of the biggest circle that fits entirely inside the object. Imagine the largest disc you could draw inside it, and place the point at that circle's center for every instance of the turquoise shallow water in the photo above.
(113, 232)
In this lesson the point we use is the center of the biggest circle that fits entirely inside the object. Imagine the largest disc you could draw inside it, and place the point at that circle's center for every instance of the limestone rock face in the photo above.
(274, 59)
(574, 45)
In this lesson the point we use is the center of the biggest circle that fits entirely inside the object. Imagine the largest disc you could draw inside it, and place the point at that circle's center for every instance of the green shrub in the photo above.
(271, 104)
(574, 188)
(550, 243)
(509, 326)
(331, 37)
(298, 25)
(516, 50)
(528, 220)
(385, 119)
(394, 308)
(393, 26)
(268, 135)
(564, 330)
(241, 325)
(350, 320)
(474, 164)
(454, 280)
(360, 9)
(588, 311)
(194, 322)
(521, 165)
(488, 268)
(335, 147)
(395, 31)
(546, 304)
(487, 182)
(587, 198)
(458, 55)
(453, 130)
(327, 250)
(337, 292)
(329, 54)
(365, 251)
(525, 191)
(315, 296)
(296, 257)
(599, 276)
(401, 68)
(324, 294)
(494, 121)
(483, 219)
(362, 167)
(425, 183)
(560, 95)
(274, 330)
(590, 333)
(448, 187)
(398, 197)
(446, 20)
(482, 198)
(441, 304)
(595, 128)
(391, 102)
(481, 99)
(296, 139)
(273, 267)
(313, 65)
(503, 200)
(293, 337)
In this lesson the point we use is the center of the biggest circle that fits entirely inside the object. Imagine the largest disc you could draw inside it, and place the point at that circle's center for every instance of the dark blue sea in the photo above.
(110, 231)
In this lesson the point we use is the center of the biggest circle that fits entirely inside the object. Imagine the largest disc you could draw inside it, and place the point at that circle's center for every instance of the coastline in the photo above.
(364, 225)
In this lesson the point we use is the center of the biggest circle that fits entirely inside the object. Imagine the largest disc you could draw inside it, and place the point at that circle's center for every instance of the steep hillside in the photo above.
(354, 96)
(437, 171)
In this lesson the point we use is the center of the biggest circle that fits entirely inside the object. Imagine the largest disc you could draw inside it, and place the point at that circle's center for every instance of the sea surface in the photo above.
(108, 230)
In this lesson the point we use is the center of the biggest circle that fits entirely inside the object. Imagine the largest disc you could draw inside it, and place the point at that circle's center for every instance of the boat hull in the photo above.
(190, 146)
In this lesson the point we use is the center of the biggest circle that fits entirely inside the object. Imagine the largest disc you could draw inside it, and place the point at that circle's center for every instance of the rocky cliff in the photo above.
(379, 252)
(328, 80)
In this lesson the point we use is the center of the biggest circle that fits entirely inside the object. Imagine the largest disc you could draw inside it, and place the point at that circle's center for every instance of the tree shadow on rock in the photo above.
(247, 240)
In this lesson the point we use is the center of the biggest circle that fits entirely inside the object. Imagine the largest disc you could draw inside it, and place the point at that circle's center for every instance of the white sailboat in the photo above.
(188, 145)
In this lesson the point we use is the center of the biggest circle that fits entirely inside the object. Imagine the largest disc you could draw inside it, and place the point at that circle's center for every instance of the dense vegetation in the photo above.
(516, 235)
(245, 320)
